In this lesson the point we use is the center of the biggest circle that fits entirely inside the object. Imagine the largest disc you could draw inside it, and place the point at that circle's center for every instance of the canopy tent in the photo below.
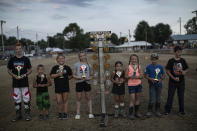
(134, 43)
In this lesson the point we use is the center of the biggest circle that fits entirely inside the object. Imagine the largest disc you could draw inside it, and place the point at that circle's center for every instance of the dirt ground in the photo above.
(172, 122)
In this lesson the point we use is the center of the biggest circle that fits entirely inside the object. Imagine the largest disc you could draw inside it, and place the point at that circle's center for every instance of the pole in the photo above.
(17, 31)
(2, 35)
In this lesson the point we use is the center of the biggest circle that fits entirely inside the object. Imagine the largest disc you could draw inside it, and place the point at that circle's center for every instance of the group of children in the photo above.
(19, 67)
(176, 69)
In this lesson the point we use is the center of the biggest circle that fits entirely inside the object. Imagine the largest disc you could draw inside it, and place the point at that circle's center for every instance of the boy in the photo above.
(83, 73)
(19, 67)
(176, 69)
(41, 83)
(154, 73)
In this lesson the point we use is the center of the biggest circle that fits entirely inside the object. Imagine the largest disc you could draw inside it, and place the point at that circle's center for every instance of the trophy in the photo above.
(83, 67)
(134, 68)
(42, 78)
(61, 68)
(119, 73)
(19, 70)
(107, 74)
(157, 73)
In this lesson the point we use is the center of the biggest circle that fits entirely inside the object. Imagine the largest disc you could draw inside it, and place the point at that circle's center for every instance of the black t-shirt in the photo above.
(61, 82)
(43, 81)
(23, 64)
(174, 66)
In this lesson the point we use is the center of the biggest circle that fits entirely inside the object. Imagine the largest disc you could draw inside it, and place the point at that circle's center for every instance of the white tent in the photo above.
(134, 43)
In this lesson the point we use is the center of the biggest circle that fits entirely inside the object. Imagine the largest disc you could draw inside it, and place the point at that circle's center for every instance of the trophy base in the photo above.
(156, 80)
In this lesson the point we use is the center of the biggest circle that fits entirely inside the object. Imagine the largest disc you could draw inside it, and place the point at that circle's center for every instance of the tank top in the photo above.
(44, 81)
(133, 82)
(116, 77)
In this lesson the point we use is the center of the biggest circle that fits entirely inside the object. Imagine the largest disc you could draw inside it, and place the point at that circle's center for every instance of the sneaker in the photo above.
(77, 117)
(59, 116)
(149, 114)
(91, 116)
(166, 113)
(41, 116)
(47, 117)
(181, 113)
(27, 117)
(158, 114)
(65, 116)
(16, 118)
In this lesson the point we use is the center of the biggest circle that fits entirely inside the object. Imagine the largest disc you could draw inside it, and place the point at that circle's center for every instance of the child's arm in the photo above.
(127, 73)
(141, 74)
(170, 75)
(91, 76)
(35, 83)
(56, 75)
(149, 78)
(112, 78)
(76, 77)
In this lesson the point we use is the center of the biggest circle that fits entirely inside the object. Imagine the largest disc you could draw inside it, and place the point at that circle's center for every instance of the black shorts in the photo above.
(62, 89)
(118, 90)
(83, 86)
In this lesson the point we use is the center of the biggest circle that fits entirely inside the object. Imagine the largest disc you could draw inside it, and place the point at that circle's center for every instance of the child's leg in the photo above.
(79, 96)
(65, 103)
(59, 100)
(137, 105)
(151, 100)
(132, 100)
(122, 105)
(117, 100)
(88, 98)
(158, 101)
(180, 93)
(171, 92)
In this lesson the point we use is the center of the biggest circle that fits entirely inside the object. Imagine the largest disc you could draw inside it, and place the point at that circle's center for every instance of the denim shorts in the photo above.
(135, 89)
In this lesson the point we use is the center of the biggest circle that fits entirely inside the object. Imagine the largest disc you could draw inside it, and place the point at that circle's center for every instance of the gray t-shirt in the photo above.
(79, 72)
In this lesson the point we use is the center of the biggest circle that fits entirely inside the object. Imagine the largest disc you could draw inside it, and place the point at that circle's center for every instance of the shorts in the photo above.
(43, 101)
(62, 89)
(83, 86)
(118, 90)
(135, 89)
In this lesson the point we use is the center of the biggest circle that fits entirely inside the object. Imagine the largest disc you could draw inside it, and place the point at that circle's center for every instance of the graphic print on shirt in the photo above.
(177, 68)
(19, 65)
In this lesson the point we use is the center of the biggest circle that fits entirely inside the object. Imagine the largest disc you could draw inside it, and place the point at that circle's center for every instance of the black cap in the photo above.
(155, 55)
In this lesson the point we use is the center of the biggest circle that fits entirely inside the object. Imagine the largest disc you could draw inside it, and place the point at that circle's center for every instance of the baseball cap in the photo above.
(154, 55)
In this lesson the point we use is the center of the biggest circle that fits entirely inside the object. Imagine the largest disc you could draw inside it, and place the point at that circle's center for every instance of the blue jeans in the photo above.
(154, 92)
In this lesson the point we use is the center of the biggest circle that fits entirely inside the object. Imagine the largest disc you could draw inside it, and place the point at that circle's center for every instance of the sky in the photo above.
(48, 17)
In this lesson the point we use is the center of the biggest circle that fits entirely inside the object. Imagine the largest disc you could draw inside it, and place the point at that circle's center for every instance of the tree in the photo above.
(114, 39)
(11, 40)
(42, 44)
(162, 33)
(191, 26)
(75, 37)
(143, 32)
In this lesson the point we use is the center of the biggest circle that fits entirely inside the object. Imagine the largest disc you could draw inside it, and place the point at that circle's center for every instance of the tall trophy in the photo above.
(119, 73)
(18, 68)
(156, 74)
(61, 69)
(42, 78)
(83, 67)
(134, 68)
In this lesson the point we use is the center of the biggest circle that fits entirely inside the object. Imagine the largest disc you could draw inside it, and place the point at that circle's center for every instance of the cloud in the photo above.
(59, 17)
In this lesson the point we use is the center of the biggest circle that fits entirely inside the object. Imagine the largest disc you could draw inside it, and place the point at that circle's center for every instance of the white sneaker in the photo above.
(91, 116)
(77, 117)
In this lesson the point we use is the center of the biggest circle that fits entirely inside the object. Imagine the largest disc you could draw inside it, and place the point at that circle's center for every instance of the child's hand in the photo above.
(176, 79)
(183, 72)
(60, 73)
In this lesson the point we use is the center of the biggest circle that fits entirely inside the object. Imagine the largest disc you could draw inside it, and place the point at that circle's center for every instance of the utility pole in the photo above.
(2, 35)
(129, 36)
(17, 32)
(196, 15)
(36, 43)
(180, 24)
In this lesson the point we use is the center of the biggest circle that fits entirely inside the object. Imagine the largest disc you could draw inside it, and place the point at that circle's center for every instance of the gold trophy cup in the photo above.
(61, 68)
(157, 73)
(119, 73)
(83, 67)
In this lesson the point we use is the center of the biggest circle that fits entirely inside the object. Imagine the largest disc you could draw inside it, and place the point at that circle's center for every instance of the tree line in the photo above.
(74, 37)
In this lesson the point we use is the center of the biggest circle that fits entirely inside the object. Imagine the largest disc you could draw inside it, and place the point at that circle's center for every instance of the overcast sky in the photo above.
(51, 16)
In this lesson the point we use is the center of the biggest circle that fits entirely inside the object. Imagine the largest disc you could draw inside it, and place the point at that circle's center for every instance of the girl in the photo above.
(134, 75)
(41, 83)
(118, 89)
(83, 73)
(61, 74)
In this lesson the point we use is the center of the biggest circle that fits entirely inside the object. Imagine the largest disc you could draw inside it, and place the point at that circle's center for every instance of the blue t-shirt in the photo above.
(151, 72)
